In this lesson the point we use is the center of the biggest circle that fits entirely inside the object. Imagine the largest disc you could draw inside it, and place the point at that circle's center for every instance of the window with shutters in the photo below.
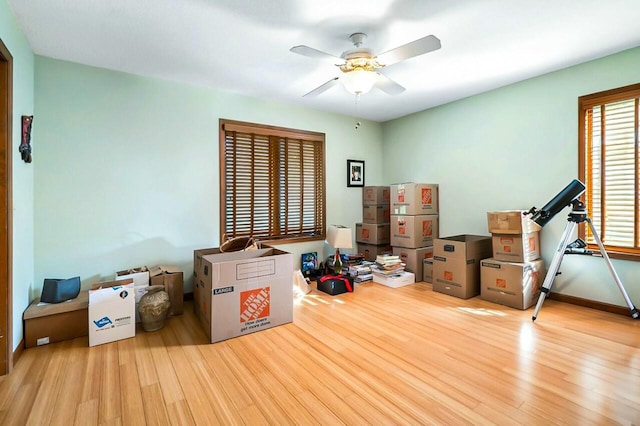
(609, 164)
(273, 182)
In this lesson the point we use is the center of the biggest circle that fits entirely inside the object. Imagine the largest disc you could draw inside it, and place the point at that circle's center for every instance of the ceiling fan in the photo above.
(360, 65)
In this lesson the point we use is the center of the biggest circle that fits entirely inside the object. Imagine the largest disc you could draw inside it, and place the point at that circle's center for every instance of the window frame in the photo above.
(587, 102)
(269, 131)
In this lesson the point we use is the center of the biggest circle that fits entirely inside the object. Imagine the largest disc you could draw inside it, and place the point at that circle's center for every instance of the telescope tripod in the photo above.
(578, 215)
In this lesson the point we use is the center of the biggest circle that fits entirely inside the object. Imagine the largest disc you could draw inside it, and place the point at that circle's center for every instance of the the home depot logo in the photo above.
(532, 244)
(506, 242)
(365, 233)
(385, 194)
(535, 281)
(255, 304)
(427, 228)
(427, 196)
(501, 283)
(368, 194)
(401, 195)
(448, 275)
(402, 227)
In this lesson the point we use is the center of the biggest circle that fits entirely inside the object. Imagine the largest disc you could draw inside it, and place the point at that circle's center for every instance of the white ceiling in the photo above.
(243, 46)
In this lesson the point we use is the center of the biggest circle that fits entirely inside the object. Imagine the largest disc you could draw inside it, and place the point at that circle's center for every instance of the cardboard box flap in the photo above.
(240, 255)
(163, 269)
(45, 309)
(107, 284)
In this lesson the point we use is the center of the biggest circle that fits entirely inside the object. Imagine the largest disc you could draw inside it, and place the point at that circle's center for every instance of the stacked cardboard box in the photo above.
(456, 264)
(414, 223)
(513, 276)
(373, 234)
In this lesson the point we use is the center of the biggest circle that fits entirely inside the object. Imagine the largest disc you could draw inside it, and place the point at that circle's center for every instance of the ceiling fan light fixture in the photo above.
(359, 81)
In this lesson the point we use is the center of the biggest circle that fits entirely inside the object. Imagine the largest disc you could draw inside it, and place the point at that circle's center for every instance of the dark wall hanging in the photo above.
(25, 144)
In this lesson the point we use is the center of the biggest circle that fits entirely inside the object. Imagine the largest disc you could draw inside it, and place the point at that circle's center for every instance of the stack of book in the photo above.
(361, 273)
(387, 265)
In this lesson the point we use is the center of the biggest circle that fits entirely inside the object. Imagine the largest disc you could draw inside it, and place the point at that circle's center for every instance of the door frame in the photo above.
(6, 222)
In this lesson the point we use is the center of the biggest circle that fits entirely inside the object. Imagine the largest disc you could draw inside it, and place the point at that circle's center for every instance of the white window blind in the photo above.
(274, 182)
(610, 167)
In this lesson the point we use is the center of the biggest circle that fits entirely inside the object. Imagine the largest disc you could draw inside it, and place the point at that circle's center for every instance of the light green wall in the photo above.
(127, 168)
(512, 148)
(22, 173)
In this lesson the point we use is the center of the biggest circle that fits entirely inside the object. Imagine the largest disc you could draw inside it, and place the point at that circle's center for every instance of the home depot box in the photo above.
(376, 214)
(427, 270)
(52, 322)
(414, 231)
(244, 291)
(511, 284)
(395, 280)
(414, 198)
(456, 264)
(111, 311)
(373, 233)
(374, 195)
(172, 278)
(511, 222)
(413, 257)
(371, 251)
(516, 247)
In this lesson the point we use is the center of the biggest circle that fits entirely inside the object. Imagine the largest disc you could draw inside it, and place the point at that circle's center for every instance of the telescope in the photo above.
(564, 198)
(569, 197)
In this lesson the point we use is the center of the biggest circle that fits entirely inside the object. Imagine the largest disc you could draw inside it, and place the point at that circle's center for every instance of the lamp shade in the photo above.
(339, 236)
(359, 81)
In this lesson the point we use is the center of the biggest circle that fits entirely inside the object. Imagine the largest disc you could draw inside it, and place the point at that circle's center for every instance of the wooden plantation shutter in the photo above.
(273, 182)
(609, 167)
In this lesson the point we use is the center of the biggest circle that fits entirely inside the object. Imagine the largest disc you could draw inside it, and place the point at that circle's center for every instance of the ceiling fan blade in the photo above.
(415, 48)
(322, 88)
(315, 53)
(388, 86)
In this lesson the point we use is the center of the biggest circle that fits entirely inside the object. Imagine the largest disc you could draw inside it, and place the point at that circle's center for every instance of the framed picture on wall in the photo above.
(355, 173)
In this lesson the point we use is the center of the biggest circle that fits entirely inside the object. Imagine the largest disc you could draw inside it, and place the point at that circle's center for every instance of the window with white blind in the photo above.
(609, 164)
(273, 182)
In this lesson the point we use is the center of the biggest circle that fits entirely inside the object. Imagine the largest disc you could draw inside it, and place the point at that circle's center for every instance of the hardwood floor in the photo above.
(376, 356)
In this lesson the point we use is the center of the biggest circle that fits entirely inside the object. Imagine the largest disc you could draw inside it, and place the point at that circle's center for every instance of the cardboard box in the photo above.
(511, 222)
(413, 257)
(427, 270)
(375, 195)
(396, 280)
(456, 264)
(373, 233)
(53, 322)
(371, 251)
(243, 292)
(111, 311)
(516, 247)
(198, 265)
(414, 231)
(376, 214)
(511, 284)
(414, 198)
(172, 278)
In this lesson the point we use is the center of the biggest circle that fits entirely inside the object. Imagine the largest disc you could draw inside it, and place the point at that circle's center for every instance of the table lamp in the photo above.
(338, 237)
